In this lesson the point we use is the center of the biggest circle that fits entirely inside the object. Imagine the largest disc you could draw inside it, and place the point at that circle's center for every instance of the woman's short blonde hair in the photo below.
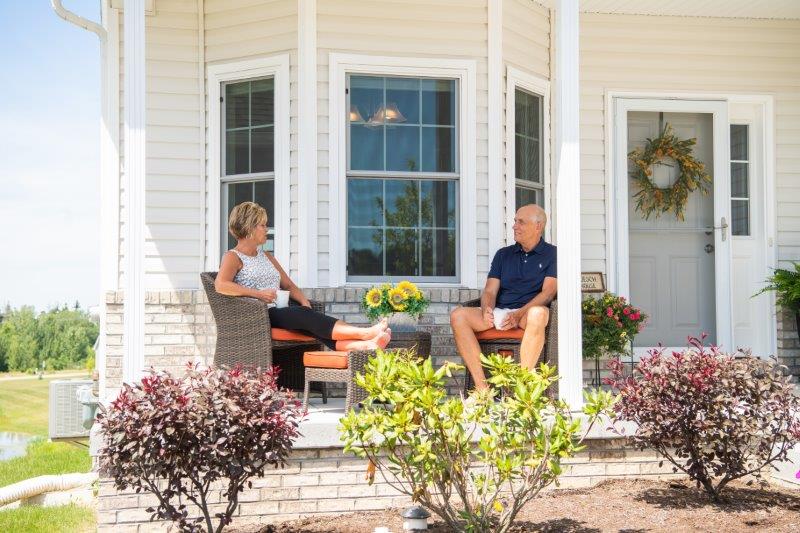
(244, 219)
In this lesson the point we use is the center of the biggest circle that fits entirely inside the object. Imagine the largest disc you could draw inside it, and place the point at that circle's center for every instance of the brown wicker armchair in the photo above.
(511, 345)
(244, 336)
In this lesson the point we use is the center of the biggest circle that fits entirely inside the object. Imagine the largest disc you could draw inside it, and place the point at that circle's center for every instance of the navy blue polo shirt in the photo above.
(522, 274)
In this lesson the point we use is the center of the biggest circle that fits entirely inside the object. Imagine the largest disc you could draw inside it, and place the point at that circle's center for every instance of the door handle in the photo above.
(709, 248)
(723, 225)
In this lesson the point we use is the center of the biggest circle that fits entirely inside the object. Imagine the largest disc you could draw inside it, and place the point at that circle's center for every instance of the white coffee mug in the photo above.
(282, 298)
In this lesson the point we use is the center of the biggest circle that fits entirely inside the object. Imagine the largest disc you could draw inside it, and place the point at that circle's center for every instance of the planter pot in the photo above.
(402, 322)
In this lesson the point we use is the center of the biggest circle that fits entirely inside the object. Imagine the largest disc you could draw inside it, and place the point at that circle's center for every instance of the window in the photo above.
(402, 177)
(740, 180)
(528, 173)
(248, 150)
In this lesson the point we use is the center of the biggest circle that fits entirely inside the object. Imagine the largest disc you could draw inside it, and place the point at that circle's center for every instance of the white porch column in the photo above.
(133, 311)
(566, 151)
(307, 143)
(494, 41)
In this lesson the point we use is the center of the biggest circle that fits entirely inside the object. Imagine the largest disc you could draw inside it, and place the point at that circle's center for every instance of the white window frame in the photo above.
(519, 79)
(277, 67)
(463, 70)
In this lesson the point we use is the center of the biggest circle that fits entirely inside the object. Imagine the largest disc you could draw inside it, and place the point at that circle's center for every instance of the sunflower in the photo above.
(374, 297)
(397, 298)
(409, 288)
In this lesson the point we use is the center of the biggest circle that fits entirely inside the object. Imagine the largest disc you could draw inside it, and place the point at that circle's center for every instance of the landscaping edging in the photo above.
(326, 481)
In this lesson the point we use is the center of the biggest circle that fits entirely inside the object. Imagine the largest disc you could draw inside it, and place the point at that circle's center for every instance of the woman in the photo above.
(245, 271)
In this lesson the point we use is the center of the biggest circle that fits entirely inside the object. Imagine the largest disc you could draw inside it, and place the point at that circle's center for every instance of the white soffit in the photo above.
(754, 9)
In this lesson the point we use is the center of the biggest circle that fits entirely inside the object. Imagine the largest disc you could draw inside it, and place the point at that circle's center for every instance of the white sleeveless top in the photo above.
(257, 272)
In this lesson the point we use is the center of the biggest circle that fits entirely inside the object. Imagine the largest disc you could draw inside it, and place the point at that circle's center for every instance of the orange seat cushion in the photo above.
(279, 334)
(493, 334)
(325, 359)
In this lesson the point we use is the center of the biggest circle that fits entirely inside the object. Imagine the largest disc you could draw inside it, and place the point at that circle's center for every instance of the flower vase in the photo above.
(402, 322)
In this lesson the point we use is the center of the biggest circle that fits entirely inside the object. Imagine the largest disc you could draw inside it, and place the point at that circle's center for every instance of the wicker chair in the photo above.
(244, 336)
(511, 345)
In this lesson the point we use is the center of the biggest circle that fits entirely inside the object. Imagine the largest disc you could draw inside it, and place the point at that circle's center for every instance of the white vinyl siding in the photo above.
(618, 52)
(681, 54)
(173, 212)
(526, 47)
(418, 28)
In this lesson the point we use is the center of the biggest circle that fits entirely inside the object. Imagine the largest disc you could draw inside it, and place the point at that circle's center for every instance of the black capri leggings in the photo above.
(307, 320)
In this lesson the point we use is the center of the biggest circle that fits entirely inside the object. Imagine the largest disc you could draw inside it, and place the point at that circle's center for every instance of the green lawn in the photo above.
(23, 404)
(45, 458)
(23, 409)
(66, 519)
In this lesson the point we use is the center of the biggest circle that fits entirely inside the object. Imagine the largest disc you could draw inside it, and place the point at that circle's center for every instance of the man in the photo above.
(520, 286)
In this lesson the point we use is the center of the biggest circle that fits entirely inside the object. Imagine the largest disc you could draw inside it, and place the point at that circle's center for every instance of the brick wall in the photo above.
(179, 326)
(788, 341)
(327, 481)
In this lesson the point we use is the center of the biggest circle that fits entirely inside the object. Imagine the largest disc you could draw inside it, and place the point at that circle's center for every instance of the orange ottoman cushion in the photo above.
(325, 359)
(492, 334)
(279, 334)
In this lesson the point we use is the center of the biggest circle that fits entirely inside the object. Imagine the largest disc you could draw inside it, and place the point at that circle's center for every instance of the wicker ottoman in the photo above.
(327, 367)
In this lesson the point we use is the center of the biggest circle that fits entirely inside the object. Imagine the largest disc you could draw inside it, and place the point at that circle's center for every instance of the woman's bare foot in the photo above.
(381, 340)
(376, 329)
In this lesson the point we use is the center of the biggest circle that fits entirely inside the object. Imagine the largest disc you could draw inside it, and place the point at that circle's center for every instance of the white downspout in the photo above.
(79, 21)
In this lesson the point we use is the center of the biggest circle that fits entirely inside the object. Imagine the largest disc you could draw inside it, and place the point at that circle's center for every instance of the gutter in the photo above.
(79, 21)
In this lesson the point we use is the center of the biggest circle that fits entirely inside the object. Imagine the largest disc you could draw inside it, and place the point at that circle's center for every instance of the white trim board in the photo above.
(494, 125)
(307, 210)
(278, 67)
(135, 83)
(540, 86)
(462, 69)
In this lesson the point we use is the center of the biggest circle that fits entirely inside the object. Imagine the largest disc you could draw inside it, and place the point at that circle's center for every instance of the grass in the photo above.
(44, 458)
(66, 518)
(23, 404)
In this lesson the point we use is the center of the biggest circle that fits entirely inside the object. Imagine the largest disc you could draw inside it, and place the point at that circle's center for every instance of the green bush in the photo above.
(786, 284)
(715, 417)
(474, 463)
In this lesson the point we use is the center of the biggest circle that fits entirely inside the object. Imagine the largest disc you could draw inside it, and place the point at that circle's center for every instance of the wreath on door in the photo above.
(654, 200)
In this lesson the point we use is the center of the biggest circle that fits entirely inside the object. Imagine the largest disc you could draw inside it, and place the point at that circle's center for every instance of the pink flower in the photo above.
(626, 311)
(636, 316)
(797, 475)
(610, 312)
(619, 324)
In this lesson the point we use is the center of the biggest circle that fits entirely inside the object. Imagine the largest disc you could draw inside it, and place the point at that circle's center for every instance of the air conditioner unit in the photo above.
(66, 412)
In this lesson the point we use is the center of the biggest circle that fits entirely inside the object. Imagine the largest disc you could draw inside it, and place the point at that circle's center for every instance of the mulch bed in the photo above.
(620, 505)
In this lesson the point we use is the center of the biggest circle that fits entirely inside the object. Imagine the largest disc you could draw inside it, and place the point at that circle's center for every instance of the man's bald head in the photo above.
(533, 212)
(529, 224)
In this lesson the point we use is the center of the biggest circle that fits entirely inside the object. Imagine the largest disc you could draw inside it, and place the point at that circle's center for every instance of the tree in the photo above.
(18, 340)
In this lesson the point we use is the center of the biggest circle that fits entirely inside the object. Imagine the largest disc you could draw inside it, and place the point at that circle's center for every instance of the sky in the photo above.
(49, 156)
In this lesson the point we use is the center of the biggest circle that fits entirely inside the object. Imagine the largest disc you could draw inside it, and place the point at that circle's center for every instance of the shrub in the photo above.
(176, 437)
(609, 325)
(474, 465)
(714, 416)
(786, 284)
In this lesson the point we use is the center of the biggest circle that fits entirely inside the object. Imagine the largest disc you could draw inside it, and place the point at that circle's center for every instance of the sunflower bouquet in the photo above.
(388, 299)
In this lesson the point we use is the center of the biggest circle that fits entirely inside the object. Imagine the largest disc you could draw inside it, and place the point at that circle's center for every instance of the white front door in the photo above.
(678, 272)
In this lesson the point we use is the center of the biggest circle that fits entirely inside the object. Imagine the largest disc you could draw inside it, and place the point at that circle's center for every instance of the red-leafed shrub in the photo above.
(176, 437)
(717, 417)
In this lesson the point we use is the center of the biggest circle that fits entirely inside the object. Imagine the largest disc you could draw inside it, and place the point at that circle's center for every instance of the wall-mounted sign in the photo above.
(592, 282)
